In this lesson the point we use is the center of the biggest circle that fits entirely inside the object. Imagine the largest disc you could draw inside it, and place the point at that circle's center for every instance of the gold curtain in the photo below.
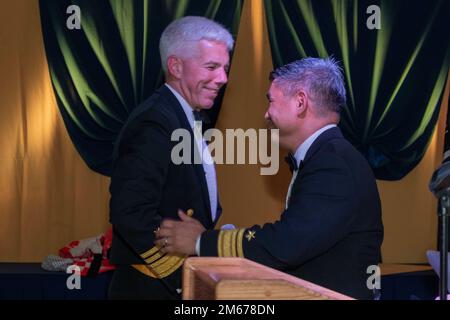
(48, 197)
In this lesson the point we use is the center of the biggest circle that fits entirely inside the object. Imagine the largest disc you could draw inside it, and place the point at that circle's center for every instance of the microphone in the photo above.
(440, 186)
(440, 180)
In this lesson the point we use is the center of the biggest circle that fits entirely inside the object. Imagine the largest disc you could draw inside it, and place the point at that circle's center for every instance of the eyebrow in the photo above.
(268, 96)
(212, 62)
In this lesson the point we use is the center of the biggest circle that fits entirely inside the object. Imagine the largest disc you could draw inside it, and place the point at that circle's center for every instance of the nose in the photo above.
(266, 115)
(222, 77)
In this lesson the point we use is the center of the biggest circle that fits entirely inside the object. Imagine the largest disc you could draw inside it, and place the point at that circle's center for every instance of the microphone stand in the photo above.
(443, 214)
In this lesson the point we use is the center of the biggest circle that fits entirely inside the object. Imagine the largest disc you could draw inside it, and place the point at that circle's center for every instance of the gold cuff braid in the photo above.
(229, 243)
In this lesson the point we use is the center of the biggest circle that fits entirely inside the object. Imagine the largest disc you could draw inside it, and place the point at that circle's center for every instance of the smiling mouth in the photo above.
(215, 91)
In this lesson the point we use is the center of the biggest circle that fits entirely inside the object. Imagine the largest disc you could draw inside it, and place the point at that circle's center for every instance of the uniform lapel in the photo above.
(200, 173)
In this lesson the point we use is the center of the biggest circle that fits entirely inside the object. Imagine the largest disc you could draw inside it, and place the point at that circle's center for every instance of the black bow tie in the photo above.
(201, 116)
(290, 159)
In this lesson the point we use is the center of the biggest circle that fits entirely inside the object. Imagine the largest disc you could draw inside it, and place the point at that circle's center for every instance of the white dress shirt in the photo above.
(207, 161)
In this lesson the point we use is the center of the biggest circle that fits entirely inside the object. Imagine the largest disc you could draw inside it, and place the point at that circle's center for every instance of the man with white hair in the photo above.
(331, 231)
(146, 185)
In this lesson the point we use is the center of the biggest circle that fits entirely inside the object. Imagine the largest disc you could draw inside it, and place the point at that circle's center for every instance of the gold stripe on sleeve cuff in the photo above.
(150, 252)
(239, 239)
(154, 257)
(162, 267)
(229, 243)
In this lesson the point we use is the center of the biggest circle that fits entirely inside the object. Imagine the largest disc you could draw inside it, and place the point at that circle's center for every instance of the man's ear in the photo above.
(302, 103)
(174, 66)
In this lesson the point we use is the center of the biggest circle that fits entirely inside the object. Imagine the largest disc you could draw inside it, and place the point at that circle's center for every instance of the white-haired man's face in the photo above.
(203, 73)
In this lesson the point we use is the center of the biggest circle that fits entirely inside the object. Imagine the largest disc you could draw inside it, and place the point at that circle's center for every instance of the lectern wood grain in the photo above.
(238, 278)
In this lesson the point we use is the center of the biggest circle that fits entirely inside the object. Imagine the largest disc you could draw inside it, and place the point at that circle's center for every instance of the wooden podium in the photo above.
(242, 279)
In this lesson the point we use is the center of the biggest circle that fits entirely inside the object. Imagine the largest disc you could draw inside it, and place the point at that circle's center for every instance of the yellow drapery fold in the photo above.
(48, 196)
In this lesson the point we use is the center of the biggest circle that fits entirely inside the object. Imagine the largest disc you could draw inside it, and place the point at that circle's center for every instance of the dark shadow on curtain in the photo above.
(103, 70)
(395, 76)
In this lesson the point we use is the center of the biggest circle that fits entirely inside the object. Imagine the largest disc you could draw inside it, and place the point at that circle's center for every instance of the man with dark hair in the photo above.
(146, 185)
(331, 229)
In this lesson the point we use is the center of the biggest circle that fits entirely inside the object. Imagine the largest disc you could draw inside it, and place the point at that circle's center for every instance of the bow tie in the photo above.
(290, 159)
(201, 116)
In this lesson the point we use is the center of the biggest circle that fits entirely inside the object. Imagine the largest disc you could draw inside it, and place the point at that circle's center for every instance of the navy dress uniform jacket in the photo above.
(331, 231)
(146, 187)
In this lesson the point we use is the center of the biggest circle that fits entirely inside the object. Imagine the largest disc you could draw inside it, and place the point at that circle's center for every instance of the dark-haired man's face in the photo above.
(281, 113)
(204, 73)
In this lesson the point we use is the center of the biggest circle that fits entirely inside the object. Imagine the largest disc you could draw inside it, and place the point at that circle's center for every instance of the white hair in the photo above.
(179, 36)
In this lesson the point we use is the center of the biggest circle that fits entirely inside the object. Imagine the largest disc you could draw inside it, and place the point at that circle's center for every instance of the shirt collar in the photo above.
(188, 110)
(301, 151)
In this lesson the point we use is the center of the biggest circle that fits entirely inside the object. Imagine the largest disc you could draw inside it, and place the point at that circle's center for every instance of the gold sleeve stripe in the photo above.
(150, 252)
(160, 262)
(162, 268)
(170, 266)
(157, 273)
(166, 263)
(173, 268)
(233, 247)
(239, 237)
(220, 244)
(154, 257)
(229, 243)
(160, 265)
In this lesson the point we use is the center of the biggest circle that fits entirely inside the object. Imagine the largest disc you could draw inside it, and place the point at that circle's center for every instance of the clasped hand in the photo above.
(179, 236)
